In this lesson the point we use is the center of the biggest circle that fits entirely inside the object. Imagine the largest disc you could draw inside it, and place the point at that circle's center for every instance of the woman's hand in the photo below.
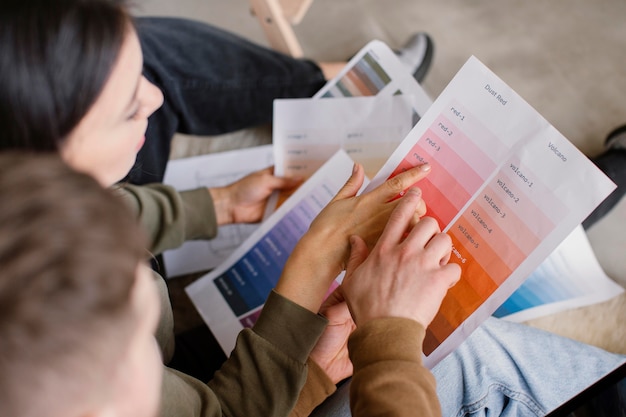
(365, 215)
(244, 200)
(331, 351)
(323, 251)
(406, 275)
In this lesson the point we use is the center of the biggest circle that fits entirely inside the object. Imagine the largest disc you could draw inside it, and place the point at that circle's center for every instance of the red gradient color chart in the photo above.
(488, 224)
(491, 239)
(460, 169)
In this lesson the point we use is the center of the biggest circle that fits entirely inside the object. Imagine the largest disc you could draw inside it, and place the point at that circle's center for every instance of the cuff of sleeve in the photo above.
(317, 388)
(286, 324)
(384, 339)
(200, 216)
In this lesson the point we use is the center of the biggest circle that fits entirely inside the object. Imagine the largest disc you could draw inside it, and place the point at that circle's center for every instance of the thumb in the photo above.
(358, 254)
(335, 297)
(453, 273)
(354, 183)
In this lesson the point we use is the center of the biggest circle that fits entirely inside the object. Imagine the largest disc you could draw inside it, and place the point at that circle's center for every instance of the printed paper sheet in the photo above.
(376, 101)
(212, 170)
(505, 185)
(231, 296)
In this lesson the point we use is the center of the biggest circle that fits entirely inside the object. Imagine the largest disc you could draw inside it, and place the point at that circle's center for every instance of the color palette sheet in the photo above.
(231, 296)
(376, 71)
(505, 185)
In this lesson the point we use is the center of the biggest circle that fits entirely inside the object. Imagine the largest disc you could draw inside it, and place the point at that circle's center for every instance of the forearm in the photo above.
(316, 389)
(185, 396)
(389, 378)
(311, 268)
(170, 217)
(263, 375)
(267, 369)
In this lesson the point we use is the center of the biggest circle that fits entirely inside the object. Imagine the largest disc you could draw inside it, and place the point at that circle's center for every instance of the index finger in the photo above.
(396, 186)
(401, 217)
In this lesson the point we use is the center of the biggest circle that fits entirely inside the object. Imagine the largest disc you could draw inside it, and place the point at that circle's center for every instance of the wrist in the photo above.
(222, 205)
(331, 244)
(308, 273)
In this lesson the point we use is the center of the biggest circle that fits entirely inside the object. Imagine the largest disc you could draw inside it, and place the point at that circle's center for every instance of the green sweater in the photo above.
(268, 374)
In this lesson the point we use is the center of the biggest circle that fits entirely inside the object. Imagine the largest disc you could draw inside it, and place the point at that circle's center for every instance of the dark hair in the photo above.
(69, 252)
(55, 57)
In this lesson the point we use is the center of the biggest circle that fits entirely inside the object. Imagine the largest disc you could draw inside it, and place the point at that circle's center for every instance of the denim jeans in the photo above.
(506, 369)
(213, 82)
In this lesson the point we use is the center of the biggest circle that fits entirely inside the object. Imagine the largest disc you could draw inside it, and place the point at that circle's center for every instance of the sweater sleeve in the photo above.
(317, 388)
(389, 378)
(168, 216)
(263, 375)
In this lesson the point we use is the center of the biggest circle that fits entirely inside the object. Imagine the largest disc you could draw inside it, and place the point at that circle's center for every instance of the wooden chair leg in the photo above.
(294, 10)
(276, 18)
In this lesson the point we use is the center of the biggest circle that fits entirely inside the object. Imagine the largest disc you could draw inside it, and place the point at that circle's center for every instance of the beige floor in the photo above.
(565, 57)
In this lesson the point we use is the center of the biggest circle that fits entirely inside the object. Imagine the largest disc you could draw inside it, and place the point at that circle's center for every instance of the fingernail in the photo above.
(425, 167)
(354, 168)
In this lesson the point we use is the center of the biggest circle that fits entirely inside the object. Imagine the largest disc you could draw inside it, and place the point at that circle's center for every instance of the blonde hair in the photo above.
(69, 251)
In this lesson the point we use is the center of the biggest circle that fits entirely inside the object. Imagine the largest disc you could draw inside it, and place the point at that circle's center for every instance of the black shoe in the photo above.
(417, 54)
(616, 139)
(613, 163)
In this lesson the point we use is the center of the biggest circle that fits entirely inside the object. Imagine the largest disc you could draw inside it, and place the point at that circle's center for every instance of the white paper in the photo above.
(307, 132)
(376, 101)
(231, 296)
(505, 185)
(212, 170)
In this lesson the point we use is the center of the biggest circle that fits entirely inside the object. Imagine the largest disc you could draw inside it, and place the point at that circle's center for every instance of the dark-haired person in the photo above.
(98, 130)
(211, 82)
(215, 82)
(71, 82)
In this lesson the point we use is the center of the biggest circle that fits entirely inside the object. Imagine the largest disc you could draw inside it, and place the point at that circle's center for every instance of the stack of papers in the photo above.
(505, 186)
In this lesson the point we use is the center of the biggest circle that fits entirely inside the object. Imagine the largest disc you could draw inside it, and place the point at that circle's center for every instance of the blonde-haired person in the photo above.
(80, 308)
(79, 305)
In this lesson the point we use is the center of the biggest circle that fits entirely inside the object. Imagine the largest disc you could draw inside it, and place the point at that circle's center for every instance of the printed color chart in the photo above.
(376, 71)
(246, 284)
(505, 185)
(365, 78)
(487, 224)
(232, 296)
(502, 185)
